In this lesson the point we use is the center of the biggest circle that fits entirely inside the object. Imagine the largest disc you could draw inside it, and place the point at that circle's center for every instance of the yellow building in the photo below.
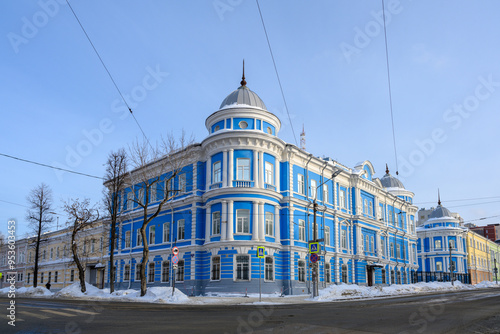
(478, 250)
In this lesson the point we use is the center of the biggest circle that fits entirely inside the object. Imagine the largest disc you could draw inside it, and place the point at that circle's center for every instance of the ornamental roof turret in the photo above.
(389, 181)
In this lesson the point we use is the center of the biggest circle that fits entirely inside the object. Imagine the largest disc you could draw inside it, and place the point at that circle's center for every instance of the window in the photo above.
(344, 273)
(328, 277)
(342, 199)
(437, 244)
(182, 183)
(383, 276)
(217, 175)
(85, 247)
(139, 238)
(451, 244)
(215, 275)
(393, 277)
(140, 195)
(243, 169)
(29, 276)
(129, 203)
(29, 257)
(127, 239)
(180, 229)
(269, 173)
(50, 276)
(439, 266)
(57, 252)
(44, 254)
(72, 275)
(137, 272)
(300, 184)
(115, 273)
(372, 244)
(180, 271)
(243, 124)
(269, 269)
(327, 235)
(92, 246)
(126, 274)
(302, 271)
(166, 232)
(41, 277)
(392, 249)
(151, 272)
(314, 188)
(344, 239)
(269, 223)
(269, 130)
(243, 267)
(365, 206)
(216, 128)
(152, 234)
(370, 208)
(302, 230)
(216, 223)
(243, 221)
(325, 193)
(152, 197)
(398, 251)
(166, 187)
(165, 271)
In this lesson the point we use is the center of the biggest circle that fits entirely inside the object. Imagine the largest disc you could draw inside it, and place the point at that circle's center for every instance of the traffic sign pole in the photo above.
(260, 279)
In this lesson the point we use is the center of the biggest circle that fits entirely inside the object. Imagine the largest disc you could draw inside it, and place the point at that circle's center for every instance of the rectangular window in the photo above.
(140, 195)
(41, 278)
(342, 199)
(166, 232)
(29, 276)
(182, 183)
(439, 266)
(92, 246)
(126, 274)
(128, 204)
(325, 193)
(152, 196)
(216, 223)
(243, 267)
(344, 239)
(72, 275)
(180, 229)
(451, 244)
(51, 253)
(152, 235)
(327, 235)
(437, 244)
(269, 269)
(269, 173)
(243, 169)
(302, 271)
(314, 188)
(269, 223)
(217, 172)
(302, 230)
(370, 208)
(328, 278)
(50, 276)
(300, 184)
(215, 275)
(372, 244)
(137, 272)
(392, 249)
(151, 272)
(139, 238)
(57, 253)
(242, 221)
(165, 271)
(166, 189)
(180, 271)
(127, 239)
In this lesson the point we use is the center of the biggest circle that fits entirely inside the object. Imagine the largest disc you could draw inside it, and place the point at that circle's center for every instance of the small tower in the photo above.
(303, 139)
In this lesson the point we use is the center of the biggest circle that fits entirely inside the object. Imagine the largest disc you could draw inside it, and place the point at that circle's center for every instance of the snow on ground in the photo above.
(28, 292)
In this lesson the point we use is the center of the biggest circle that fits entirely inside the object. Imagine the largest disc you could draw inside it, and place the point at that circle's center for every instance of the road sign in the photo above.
(175, 259)
(261, 252)
(314, 258)
(174, 266)
(175, 250)
(314, 247)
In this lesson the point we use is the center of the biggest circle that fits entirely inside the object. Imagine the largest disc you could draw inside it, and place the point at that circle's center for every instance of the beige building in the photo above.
(478, 249)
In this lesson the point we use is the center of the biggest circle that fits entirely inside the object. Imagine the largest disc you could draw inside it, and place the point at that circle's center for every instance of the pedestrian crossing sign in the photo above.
(314, 247)
(261, 252)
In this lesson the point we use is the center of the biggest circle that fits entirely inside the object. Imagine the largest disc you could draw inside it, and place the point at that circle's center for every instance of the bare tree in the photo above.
(116, 167)
(81, 217)
(154, 166)
(40, 217)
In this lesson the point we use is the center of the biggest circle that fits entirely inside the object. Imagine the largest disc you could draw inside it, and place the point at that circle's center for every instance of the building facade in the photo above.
(479, 258)
(243, 187)
(442, 247)
(490, 231)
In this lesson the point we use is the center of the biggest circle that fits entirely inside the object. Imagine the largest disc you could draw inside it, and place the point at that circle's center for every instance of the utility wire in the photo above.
(49, 166)
(109, 74)
(277, 74)
(460, 200)
(390, 91)
(14, 203)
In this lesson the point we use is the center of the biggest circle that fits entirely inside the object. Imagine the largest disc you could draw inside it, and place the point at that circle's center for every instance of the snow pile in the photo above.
(153, 294)
(487, 284)
(28, 292)
(352, 291)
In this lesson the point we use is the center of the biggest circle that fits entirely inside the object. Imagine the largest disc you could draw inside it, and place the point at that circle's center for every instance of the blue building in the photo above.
(244, 187)
(442, 241)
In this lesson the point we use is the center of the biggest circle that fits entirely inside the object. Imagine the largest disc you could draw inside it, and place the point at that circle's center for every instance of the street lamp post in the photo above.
(452, 266)
(496, 271)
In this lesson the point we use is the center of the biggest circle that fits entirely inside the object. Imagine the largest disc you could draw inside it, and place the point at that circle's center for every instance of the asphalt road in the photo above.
(475, 311)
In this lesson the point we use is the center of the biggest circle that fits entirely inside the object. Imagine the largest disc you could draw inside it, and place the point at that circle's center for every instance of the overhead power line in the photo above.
(49, 166)
(460, 200)
(277, 74)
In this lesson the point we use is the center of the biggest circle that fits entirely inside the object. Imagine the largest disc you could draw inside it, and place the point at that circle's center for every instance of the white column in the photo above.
(378, 245)
(277, 175)
(209, 173)
(255, 223)
(261, 170)
(230, 168)
(230, 214)
(337, 269)
(256, 169)
(224, 168)
(262, 234)
(277, 229)
(223, 223)
(291, 225)
(207, 224)
(193, 227)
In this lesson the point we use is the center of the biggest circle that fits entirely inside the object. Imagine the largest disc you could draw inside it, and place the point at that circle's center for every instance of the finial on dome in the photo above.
(439, 198)
(386, 169)
(243, 82)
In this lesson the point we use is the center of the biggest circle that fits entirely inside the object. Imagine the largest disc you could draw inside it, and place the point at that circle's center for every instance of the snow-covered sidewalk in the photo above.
(163, 295)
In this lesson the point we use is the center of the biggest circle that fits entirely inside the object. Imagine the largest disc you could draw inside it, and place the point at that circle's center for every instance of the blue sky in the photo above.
(176, 61)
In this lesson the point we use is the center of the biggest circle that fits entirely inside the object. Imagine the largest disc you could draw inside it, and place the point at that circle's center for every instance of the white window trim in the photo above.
(235, 263)
(273, 265)
(220, 268)
(242, 227)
